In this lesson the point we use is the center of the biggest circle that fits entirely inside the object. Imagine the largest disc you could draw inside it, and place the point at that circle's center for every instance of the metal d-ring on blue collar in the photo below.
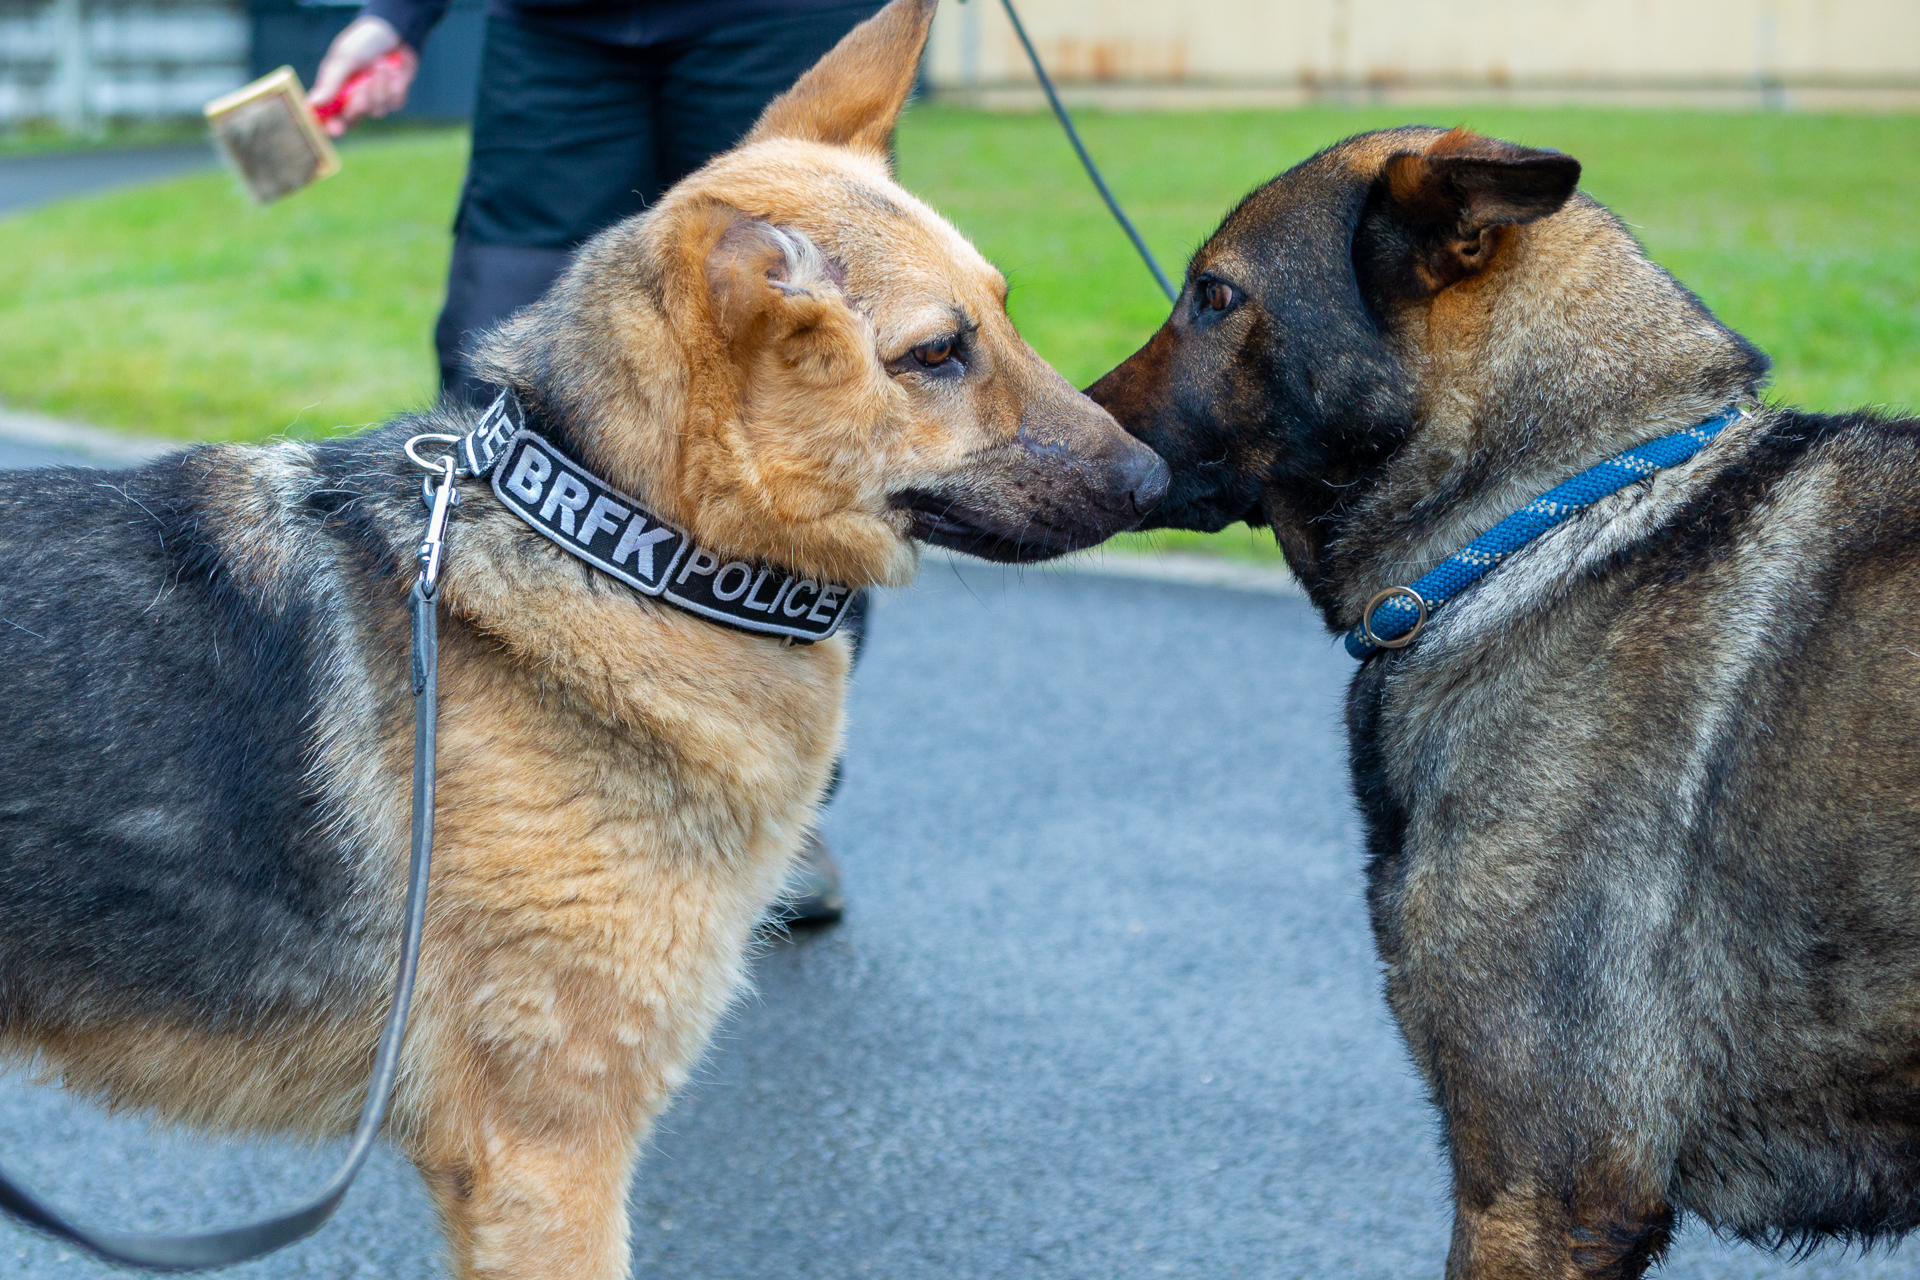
(1395, 616)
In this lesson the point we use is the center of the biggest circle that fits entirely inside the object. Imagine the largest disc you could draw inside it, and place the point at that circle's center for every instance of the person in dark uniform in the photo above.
(588, 110)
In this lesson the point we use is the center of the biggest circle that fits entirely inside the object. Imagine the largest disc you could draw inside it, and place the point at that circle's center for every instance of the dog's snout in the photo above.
(1147, 479)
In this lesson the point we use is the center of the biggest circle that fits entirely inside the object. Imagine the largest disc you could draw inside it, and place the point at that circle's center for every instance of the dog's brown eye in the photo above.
(1219, 296)
(935, 353)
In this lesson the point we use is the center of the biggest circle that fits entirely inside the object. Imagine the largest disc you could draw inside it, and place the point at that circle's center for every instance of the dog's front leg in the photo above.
(522, 1201)
(532, 1114)
(1530, 1235)
(1560, 1107)
(1553, 1178)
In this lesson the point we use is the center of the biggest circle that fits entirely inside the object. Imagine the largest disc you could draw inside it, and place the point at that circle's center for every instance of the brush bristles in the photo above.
(270, 137)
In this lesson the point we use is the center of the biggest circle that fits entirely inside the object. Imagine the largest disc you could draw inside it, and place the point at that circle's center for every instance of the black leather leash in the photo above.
(232, 1245)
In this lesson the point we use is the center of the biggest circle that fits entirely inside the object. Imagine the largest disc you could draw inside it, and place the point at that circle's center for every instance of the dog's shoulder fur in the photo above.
(1641, 818)
(1640, 803)
(203, 606)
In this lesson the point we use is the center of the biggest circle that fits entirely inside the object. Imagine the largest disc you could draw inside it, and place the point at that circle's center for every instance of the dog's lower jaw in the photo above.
(941, 522)
(941, 529)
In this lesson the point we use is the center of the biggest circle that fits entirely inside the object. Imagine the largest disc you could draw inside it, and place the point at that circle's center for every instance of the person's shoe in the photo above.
(813, 899)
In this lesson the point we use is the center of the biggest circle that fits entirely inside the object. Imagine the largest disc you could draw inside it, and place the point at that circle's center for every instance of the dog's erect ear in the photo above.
(1452, 198)
(852, 97)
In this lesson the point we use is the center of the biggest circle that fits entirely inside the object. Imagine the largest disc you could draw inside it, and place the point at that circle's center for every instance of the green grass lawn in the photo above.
(41, 137)
(182, 310)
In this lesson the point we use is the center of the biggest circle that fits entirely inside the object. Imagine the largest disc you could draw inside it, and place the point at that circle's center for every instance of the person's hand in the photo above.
(364, 46)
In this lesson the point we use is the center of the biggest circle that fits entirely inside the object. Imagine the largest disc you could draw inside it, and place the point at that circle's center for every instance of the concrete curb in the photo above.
(19, 426)
(1182, 569)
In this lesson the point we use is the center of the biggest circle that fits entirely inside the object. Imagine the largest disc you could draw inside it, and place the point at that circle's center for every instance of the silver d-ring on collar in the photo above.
(1420, 620)
(424, 464)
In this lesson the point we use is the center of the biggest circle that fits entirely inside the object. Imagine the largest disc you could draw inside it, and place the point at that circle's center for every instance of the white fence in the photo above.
(78, 61)
(1741, 52)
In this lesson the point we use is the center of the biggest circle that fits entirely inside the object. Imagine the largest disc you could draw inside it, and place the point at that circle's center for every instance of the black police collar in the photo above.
(588, 518)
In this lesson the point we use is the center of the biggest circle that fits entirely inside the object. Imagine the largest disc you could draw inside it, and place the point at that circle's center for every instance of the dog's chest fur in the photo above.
(624, 810)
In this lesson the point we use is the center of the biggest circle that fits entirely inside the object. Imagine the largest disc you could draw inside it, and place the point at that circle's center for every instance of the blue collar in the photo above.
(1395, 616)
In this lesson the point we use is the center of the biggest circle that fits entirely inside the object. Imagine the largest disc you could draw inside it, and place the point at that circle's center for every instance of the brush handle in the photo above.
(333, 106)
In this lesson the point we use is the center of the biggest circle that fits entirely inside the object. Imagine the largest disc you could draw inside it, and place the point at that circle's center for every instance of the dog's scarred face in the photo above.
(980, 446)
(945, 426)
(845, 380)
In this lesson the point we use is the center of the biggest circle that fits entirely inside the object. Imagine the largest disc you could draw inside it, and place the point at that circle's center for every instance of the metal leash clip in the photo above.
(440, 496)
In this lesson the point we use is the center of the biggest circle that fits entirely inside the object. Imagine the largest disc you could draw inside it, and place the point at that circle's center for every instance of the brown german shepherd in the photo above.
(1643, 804)
(205, 725)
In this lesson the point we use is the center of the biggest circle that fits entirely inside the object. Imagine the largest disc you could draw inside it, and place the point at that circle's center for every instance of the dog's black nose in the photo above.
(1147, 479)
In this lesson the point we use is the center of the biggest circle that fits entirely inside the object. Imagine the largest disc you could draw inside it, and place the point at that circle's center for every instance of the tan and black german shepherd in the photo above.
(1643, 804)
(205, 724)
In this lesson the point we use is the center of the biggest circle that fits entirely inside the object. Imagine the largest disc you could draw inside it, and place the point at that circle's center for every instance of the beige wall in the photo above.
(1868, 49)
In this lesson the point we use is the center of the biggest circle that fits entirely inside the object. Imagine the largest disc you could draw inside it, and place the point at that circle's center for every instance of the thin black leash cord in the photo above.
(232, 1245)
(1073, 136)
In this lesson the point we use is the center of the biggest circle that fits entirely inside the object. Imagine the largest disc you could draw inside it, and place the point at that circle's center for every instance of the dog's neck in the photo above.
(1564, 352)
(555, 360)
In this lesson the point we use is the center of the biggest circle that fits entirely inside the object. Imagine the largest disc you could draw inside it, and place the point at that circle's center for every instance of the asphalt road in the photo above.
(15, 454)
(1104, 1003)
(31, 180)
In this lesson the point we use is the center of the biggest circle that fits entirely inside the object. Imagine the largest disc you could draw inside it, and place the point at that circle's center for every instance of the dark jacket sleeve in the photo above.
(413, 19)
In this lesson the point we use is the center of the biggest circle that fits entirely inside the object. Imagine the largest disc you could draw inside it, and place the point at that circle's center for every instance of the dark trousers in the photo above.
(571, 135)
